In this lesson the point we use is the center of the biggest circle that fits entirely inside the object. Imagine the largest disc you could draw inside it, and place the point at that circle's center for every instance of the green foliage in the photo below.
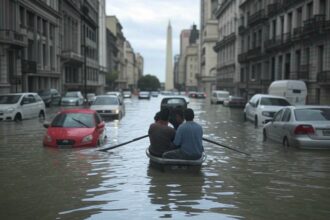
(148, 83)
(111, 78)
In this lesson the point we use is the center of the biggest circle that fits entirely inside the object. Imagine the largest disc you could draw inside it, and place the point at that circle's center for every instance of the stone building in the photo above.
(227, 47)
(70, 41)
(130, 66)
(298, 45)
(29, 46)
(208, 39)
(115, 27)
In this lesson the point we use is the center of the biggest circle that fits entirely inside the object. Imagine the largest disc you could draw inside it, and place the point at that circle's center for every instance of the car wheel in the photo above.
(42, 115)
(264, 135)
(286, 142)
(18, 117)
(256, 121)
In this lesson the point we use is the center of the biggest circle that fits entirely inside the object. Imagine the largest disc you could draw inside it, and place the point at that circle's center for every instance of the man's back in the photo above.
(161, 137)
(189, 137)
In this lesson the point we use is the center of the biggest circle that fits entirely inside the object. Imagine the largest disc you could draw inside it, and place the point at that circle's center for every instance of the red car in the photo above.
(75, 128)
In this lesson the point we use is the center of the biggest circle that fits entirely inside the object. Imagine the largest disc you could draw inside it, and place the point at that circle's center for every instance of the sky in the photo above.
(145, 24)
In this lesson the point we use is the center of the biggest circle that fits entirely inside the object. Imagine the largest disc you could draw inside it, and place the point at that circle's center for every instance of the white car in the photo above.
(72, 98)
(19, 106)
(109, 106)
(261, 108)
(219, 96)
(305, 127)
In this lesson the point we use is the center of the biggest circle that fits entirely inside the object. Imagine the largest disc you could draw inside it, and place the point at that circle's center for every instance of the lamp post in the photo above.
(84, 10)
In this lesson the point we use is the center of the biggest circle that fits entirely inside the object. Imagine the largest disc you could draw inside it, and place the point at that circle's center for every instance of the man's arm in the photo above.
(178, 137)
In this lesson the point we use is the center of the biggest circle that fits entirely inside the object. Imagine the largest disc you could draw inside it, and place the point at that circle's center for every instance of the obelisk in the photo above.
(169, 63)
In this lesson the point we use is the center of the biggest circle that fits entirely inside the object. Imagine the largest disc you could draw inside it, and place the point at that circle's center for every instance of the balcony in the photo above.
(72, 57)
(278, 42)
(12, 37)
(225, 41)
(314, 25)
(289, 3)
(252, 54)
(257, 17)
(323, 77)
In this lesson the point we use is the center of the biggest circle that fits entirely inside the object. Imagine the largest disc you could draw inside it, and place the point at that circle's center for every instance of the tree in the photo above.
(111, 78)
(149, 83)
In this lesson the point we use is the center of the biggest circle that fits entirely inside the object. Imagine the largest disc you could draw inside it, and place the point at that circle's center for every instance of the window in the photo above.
(30, 24)
(22, 16)
(278, 115)
(287, 115)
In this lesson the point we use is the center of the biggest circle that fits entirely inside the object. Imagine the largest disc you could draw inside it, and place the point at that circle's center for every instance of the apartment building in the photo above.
(228, 47)
(29, 46)
(208, 38)
(298, 45)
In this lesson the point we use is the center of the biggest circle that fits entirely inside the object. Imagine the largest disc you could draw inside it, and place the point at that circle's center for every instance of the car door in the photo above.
(284, 126)
(27, 107)
(251, 108)
(34, 106)
(276, 126)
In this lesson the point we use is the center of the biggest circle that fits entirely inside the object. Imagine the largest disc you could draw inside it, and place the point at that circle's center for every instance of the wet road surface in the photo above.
(273, 183)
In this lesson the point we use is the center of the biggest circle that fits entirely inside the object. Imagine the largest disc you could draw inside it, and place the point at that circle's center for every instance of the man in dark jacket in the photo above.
(161, 135)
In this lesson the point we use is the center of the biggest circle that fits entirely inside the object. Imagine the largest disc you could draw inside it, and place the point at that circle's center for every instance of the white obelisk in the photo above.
(169, 63)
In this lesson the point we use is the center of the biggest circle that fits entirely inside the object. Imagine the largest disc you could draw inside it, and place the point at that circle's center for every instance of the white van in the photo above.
(218, 96)
(293, 90)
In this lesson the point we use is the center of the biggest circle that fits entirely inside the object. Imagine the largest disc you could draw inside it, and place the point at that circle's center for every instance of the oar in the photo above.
(216, 143)
(119, 145)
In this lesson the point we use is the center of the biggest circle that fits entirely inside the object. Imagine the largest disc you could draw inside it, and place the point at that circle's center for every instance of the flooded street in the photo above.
(273, 183)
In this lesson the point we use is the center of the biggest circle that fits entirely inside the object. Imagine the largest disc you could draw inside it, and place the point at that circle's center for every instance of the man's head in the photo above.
(179, 117)
(189, 114)
(164, 114)
(157, 116)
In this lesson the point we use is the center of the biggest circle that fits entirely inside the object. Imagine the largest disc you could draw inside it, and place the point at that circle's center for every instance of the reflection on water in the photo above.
(274, 183)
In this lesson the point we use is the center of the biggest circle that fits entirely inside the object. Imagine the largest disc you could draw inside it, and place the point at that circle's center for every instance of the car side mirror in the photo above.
(46, 124)
(100, 125)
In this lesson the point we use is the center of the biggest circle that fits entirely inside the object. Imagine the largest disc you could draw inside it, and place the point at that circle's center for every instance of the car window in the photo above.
(174, 101)
(31, 99)
(111, 100)
(71, 94)
(274, 101)
(287, 115)
(9, 99)
(74, 120)
(312, 114)
(278, 115)
(37, 98)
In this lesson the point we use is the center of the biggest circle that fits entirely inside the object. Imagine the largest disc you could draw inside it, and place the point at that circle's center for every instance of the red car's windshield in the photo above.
(74, 120)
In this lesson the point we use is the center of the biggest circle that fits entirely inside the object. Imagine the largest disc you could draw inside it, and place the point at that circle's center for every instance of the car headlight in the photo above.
(48, 138)
(87, 139)
(10, 110)
(267, 114)
(117, 111)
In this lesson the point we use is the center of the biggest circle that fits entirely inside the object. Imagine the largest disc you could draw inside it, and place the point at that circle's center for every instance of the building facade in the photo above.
(29, 46)
(285, 40)
(227, 47)
(208, 39)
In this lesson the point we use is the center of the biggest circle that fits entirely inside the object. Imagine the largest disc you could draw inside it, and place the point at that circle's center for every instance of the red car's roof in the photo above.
(78, 110)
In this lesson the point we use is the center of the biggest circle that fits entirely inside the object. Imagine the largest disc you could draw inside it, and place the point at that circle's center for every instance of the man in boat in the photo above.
(177, 117)
(161, 135)
(188, 138)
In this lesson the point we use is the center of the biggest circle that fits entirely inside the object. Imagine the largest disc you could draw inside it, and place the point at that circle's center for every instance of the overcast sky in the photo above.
(145, 23)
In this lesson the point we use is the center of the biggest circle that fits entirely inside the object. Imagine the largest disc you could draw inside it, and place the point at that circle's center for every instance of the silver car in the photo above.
(109, 106)
(72, 98)
(305, 127)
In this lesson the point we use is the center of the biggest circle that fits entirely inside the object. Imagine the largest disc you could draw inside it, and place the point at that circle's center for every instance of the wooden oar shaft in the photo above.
(122, 144)
(216, 143)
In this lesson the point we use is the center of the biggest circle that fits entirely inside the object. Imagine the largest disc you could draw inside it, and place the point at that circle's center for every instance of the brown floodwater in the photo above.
(273, 183)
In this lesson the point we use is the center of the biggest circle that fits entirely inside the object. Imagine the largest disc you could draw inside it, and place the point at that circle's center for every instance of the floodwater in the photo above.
(272, 183)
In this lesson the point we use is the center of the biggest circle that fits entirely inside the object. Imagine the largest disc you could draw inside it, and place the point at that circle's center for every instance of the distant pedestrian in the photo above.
(188, 138)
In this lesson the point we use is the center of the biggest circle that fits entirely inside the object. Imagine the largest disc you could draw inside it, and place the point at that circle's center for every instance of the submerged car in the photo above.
(127, 94)
(262, 107)
(109, 106)
(234, 101)
(19, 106)
(50, 97)
(72, 98)
(144, 95)
(73, 128)
(306, 127)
